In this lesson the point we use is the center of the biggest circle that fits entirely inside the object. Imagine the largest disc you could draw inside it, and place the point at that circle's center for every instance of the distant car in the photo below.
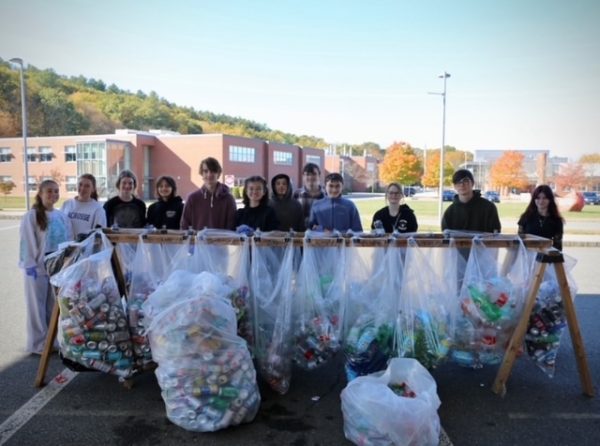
(448, 195)
(409, 191)
(492, 195)
(591, 198)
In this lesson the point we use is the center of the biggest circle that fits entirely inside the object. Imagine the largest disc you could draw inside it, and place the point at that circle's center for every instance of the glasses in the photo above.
(463, 181)
(394, 193)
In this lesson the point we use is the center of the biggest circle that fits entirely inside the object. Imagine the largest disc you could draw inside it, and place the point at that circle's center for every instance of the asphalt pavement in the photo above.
(95, 409)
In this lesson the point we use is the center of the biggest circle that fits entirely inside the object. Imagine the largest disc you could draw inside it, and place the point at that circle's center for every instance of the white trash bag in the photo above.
(395, 407)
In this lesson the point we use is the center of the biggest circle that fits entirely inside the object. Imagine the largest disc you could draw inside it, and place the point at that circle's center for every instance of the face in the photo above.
(311, 180)
(126, 187)
(208, 177)
(49, 195)
(85, 187)
(164, 190)
(281, 186)
(333, 189)
(464, 188)
(542, 202)
(393, 195)
(255, 192)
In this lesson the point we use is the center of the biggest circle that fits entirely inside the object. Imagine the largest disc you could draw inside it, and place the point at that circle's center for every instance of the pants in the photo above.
(39, 298)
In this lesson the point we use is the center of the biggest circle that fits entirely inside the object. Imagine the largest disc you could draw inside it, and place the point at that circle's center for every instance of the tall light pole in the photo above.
(441, 189)
(19, 61)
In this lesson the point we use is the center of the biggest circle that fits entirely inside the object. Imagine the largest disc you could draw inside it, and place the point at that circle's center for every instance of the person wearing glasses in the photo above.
(395, 217)
(469, 211)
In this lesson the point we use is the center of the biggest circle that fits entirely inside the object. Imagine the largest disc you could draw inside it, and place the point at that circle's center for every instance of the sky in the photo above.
(524, 74)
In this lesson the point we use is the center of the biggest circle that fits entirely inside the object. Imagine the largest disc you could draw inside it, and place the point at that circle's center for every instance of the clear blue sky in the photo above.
(525, 73)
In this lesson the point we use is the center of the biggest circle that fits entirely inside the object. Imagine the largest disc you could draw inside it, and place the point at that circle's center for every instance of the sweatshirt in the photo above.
(261, 217)
(126, 214)
(405, 221)
(335, 214)
(165, 213)
(288, 210)
(84, 215)
(477, 214)
(204, 209)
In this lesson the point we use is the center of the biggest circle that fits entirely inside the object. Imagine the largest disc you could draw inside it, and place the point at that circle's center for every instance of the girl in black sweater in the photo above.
(166, 212)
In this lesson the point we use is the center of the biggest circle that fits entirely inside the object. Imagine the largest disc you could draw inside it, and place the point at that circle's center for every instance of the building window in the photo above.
(242, 154)
(32, 154)
(45, 154)
(283, 158)
(313, 159)
(71, 183)
(70, 154)
(32, 184)
(5, 179)
(5, 154)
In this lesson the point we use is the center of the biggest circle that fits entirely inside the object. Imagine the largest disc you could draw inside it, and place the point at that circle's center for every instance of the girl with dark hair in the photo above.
(166, 212)
(84, 211)
(126, 210)
(42, 229)
(256, 213)
(395, 216)
(542, 217)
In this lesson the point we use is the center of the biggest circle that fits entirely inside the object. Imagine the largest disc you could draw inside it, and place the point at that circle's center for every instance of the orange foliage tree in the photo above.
(508, 172)
(570, 177)
(400, 164)
(431, 177)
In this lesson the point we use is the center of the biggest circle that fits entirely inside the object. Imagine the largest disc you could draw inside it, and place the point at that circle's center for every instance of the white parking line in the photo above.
(9, 227)
(28, 410)
(558, 415)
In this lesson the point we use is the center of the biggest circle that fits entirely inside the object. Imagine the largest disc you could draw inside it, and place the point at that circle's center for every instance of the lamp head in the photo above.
(17, 60)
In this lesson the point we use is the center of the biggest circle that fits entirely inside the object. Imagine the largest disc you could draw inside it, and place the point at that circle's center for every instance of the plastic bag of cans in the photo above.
(371, 307)
(271, 285)
(148, 270)
(425, 321)
(93, 326)
(489, 303)
(395, 407)
(204, 369)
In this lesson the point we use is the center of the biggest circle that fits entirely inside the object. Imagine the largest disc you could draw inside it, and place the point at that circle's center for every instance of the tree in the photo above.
(431, 178)
(6, 188)
(570, 177)
(400, 164)
(590, 158)
(508, 173)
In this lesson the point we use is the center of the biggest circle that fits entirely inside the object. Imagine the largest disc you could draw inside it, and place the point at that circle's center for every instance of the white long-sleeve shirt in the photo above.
(36, 243)
(84, 215)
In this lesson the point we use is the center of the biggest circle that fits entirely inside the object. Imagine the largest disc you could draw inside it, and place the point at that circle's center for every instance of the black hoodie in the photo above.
(288, 210)
(165, 213)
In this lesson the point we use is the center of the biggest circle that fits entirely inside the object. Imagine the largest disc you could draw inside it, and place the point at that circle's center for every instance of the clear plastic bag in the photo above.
(271, 284)
(395, 407)
(93, 326)
(204, 369)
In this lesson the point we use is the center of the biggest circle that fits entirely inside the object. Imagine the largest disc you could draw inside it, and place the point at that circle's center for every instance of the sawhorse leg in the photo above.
(542, 259)
(50, 337)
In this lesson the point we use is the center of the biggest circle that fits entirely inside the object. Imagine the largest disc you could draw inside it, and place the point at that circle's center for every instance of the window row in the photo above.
(39, 154)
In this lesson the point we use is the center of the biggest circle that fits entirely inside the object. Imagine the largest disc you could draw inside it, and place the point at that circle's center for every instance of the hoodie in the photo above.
(204, 209)
(165, 213)
(335, 214)
(477, 214)
(288, 210)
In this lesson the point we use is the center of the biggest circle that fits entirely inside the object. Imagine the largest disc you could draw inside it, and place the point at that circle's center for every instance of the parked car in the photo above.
(591, 198)
(409, 191)
(492, 195)
(448, 195)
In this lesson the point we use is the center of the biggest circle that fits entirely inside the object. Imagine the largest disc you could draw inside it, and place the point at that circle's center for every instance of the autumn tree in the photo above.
(6, 188)
(400, 164)
(431, 177)
(570, 177)
(508, 172)
(590, 158)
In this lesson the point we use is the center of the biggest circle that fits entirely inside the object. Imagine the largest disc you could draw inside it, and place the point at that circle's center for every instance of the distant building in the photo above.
(149, 155)
(360, 173)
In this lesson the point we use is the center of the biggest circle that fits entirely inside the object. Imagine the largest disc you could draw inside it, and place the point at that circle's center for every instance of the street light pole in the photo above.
(19, 61)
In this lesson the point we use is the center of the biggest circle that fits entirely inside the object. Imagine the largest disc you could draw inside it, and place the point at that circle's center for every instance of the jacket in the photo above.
(204, 209)
(288, 210)
(166, 213)
(477, 214)
(335, 214)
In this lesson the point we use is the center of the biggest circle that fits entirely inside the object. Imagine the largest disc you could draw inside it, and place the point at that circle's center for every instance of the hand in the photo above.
(245, 229)
(32, 272)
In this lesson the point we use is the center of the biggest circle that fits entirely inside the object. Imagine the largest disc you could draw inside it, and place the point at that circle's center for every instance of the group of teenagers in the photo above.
(314, 207)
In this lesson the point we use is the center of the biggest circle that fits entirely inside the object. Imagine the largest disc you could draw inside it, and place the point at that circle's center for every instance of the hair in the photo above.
(389, 186)
(211, 164)
(461, 174)
(40, 211)
(92, 178)
(171, 182)
(255, 179)
(311, 168)
(531, 209)
(335, 177)
(126, 174)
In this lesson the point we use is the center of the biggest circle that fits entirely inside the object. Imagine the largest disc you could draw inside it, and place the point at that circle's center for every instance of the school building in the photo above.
(149, 155)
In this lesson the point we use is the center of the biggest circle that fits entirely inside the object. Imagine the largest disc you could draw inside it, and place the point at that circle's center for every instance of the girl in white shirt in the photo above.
(42, 229)
(84, 211)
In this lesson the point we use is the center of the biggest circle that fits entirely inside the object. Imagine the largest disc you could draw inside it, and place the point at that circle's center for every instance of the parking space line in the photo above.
(28, 410)
(558, 415)
(9, 227)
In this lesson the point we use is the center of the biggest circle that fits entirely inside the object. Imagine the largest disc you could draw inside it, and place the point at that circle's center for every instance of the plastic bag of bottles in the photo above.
(70, 252)
(490, 301)
(547, 321)
(205, 371)
(374, 277)
(395, 407)
(271, 284)
(92, 325)
(425, 320)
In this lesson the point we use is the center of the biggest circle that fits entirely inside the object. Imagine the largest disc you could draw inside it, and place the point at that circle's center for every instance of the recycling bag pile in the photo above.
(218, 311)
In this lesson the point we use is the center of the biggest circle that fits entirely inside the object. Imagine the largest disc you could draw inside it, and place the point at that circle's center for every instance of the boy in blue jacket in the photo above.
(334, 212)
